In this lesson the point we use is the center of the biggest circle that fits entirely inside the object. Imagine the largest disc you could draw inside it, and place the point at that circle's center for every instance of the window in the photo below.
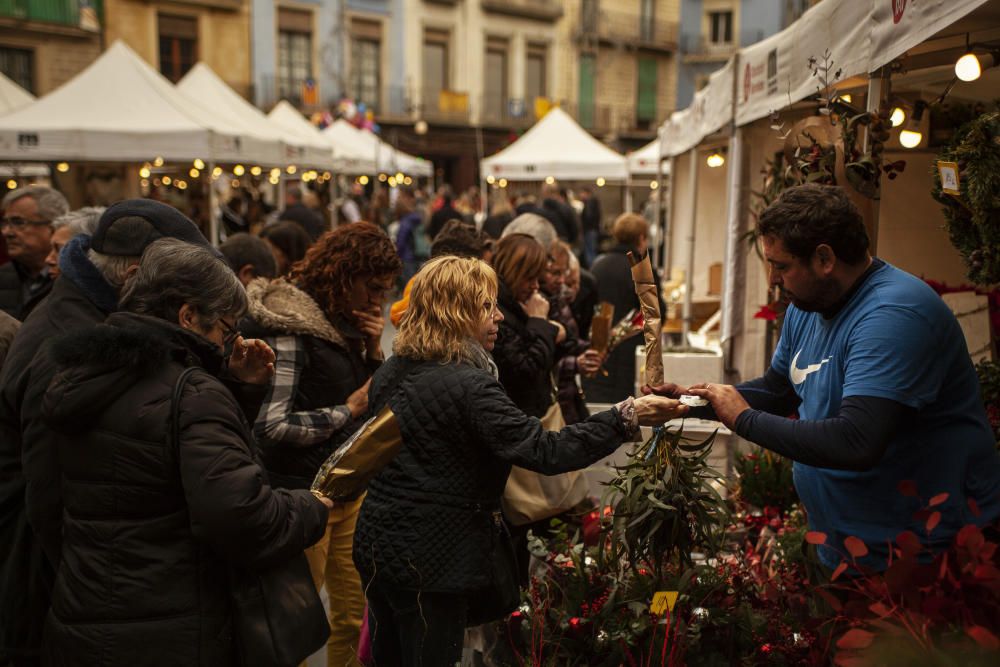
(495, 84)
(647, 26)
(534, 79)
(645, 108)
(19, 66)
(588, 67)
(295, 53)
(366, 63)
(435, 66)
(720, 26)
(178, 45)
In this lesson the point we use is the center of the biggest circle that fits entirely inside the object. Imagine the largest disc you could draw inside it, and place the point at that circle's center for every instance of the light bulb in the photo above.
(199, 164)
(167, 180)
(502, 182)
(898, 117)
(910, 138)
(62, 167)
(144, 172)
(715, 160)
(846, 97)
(194, 173)
(291, 169)
(967, 67)
(550, 180)
(158, 162)
(490, 179)
(255, 170)
(363, 180)
(653, 185)
(239, 170)
(392, 181)
(600, 182)
(276, 173)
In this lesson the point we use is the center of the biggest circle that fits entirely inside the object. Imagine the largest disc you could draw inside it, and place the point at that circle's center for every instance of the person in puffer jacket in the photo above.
(325, 324)
(152, 530)
(430, 543)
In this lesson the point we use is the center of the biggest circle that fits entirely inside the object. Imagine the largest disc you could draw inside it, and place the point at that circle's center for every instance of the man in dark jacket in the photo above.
(93, 271)
(559, 213)
(590, 219)
(27, 228)
(614, 285)
(297, 211)
(444, 214)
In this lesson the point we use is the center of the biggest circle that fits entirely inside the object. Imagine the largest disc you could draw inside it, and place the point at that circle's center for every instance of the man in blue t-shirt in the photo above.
(877, 367)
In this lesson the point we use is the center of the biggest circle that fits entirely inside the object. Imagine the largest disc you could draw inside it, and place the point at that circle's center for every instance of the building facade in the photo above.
(175, 35)
(713, 30)
(45, 43)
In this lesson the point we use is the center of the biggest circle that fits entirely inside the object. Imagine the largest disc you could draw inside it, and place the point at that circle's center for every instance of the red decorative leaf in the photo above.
(856, 638)
(937, 500)
(815, 537)
(970, 537)
(933, 520)
(830, 599)
(849, 660)
(909, 543)
(855, 546)
(880, 610)
(766, 313)
(974, 507)
(839, 571)
(983, 637)
(908, 488)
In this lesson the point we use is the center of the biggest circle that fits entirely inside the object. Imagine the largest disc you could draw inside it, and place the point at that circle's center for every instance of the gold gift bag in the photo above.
(348, 470)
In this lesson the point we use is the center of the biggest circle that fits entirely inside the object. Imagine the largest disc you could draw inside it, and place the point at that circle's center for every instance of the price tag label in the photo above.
(949, 177)
(663, 601)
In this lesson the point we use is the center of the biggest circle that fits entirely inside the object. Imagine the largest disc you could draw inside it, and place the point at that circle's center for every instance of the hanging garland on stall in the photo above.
(973, 215)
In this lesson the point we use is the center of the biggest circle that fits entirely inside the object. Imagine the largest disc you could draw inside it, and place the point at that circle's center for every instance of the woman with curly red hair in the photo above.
(324, 322)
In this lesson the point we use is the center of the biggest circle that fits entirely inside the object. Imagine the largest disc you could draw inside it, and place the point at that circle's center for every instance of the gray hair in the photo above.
(51, 203)
(534, 226)
(574, 263)
(113, 268)
(81, 221)
(173, 273)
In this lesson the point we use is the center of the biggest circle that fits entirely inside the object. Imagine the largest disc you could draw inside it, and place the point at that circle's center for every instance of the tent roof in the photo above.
(121, 109)
(369, 148)
(307, 134)
(643, 161)
(204, 85)
(556, 146)
(12, 96)
(349, 147)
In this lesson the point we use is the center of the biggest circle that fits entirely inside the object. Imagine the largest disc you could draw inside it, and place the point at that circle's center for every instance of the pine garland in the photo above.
(973, 218)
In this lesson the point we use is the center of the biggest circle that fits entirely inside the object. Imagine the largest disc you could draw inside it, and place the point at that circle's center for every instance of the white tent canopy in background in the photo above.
(307, 134)
(899, 26)
(203, 85)
(556, 146)
(365, 146)
(642, 162)
(120, 109)
(12, 96)
(710, 111)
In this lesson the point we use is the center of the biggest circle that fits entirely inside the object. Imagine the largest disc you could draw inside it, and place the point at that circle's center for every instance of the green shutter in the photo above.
(646, 103)
(585, 114)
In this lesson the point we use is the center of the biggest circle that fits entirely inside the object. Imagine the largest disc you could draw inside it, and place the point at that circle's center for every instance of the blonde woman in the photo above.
(430, 544)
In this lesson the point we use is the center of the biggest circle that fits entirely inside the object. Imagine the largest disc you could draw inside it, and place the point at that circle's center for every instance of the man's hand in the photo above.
(370, 323)
(560, 331)
(252, 361)
(726, 401)
(357, 402)
(655, 410)
(668, 389)
(590, 362)
(536, 305)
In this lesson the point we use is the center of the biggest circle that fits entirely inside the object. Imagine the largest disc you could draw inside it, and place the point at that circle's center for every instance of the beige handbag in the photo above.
(531, 496)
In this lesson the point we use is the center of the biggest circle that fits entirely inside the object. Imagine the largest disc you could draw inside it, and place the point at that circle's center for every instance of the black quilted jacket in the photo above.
(428, 522)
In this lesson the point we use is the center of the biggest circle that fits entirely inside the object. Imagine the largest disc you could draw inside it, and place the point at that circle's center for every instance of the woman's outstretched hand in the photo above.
(653, 410)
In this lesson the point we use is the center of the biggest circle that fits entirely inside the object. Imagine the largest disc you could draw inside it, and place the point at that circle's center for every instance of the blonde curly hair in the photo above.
(448, 302)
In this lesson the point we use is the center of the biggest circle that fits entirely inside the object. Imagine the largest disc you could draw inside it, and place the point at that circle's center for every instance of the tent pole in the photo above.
(734, 180)
(657, 210)
(878, 88)
(689, 267)
(668, 217)
(628, 192)
(213, 207)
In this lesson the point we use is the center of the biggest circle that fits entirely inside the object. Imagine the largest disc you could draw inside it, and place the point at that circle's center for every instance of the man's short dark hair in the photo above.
(459, 238)
(242, 249)
(805, 216)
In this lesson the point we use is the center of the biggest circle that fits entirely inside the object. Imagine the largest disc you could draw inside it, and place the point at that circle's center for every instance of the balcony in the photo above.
(699, 48)
(67, 13)
(613, 27)
(450, 107)
(507, 112)
(606, 119)
(538, 10)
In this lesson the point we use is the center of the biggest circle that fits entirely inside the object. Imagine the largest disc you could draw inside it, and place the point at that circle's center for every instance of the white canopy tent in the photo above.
(203, 85)
(643, 162)
(12, 96)
(369, 147)
(556, 146)
(120, 109)
(307, 134)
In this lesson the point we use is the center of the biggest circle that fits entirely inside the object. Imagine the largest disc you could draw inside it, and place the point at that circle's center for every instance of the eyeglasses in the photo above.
(20, 222)
(232, 333)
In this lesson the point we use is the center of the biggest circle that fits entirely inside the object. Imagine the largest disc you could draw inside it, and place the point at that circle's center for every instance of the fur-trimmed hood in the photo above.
(278, 305)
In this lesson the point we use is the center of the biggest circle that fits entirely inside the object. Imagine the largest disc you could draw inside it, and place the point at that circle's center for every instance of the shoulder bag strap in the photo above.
(175, 402)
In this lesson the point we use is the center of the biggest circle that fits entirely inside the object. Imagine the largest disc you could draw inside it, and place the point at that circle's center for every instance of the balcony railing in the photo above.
(541, 10)
(445, 106)
(75, 13)
(627, 29)
(700, 45)
(497, 111)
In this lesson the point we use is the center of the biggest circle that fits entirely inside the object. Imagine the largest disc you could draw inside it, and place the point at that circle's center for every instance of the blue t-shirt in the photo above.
(895, 338)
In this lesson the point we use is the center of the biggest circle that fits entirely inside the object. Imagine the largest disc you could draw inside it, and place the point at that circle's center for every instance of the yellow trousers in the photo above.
(331, 565)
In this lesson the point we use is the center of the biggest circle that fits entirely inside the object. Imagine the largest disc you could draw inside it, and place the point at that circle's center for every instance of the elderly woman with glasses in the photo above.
(431, 544)
(324, 322)
(157, 520)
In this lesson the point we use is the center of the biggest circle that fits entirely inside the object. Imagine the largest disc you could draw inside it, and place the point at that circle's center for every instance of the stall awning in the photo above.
(896, 27)
(710, 111)
(12, 96)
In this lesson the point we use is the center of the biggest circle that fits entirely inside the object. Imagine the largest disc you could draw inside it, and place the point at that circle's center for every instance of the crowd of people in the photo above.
(165, 406)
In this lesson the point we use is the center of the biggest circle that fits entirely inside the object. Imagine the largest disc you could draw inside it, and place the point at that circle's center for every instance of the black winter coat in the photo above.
(152, 531)
(525, 354)
(430, 520)
(80, 299)
(12, 299)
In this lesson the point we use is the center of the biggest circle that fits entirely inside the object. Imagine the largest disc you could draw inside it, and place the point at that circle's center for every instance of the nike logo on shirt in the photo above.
(799, 375)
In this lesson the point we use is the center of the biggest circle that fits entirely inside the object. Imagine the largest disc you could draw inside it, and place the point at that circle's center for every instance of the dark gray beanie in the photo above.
(148, 221)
